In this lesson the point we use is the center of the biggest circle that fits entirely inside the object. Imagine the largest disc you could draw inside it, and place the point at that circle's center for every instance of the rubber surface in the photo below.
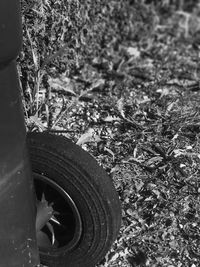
(77, 172)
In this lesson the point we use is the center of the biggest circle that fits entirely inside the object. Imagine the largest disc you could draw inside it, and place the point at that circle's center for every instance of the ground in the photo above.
(127, 90)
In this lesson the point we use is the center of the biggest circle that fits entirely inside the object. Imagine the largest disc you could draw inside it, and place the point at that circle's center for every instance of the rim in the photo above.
(66, 224)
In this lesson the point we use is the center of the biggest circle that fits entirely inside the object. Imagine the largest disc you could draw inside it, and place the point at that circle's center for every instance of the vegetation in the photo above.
(121, 78)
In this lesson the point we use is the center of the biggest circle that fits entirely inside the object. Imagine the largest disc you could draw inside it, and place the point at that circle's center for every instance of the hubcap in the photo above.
(66, 224)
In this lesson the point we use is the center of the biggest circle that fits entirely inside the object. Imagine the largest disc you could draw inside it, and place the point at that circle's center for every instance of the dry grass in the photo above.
(127, 90)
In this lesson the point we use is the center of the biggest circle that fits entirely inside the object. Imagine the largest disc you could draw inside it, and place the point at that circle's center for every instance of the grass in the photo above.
(125, 86)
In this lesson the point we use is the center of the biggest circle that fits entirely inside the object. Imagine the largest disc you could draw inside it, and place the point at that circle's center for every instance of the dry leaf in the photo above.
(87, 137)
(133, 51)
(63, 84)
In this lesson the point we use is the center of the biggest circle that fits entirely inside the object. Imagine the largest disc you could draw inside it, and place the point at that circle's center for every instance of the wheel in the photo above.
(86, 213)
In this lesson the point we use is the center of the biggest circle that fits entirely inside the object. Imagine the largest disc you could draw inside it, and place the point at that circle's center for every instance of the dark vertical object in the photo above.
(18, 246)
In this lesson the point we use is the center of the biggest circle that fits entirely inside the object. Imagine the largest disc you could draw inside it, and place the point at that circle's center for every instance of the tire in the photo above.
(87, 205)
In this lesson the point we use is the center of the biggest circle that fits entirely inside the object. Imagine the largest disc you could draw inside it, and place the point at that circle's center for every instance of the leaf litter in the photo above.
(125, 86)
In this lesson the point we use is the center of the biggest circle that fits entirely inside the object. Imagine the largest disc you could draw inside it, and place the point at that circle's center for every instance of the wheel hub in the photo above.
(67, 226)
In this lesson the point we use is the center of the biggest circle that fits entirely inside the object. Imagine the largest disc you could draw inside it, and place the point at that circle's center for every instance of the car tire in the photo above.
(88, 211)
